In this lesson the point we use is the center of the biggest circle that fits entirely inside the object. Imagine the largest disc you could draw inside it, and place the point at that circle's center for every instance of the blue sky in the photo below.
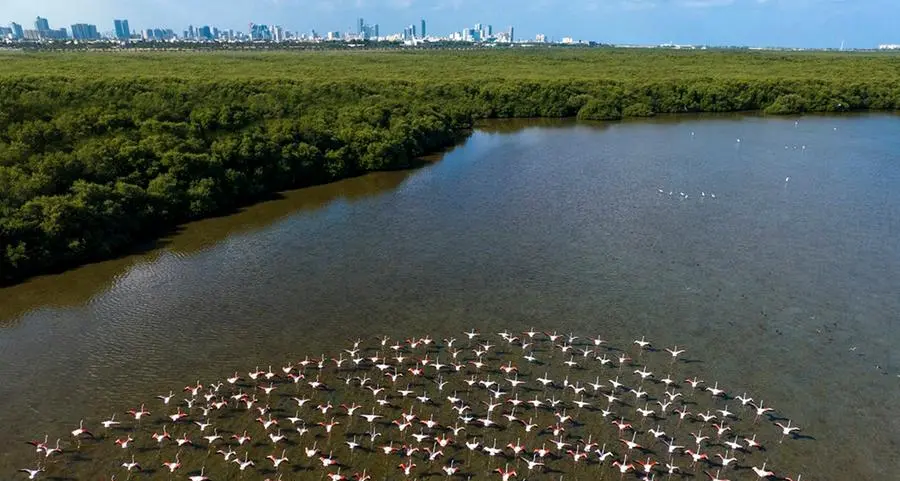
(794, 23)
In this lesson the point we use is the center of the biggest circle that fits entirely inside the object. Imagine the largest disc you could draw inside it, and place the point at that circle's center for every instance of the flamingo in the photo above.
(533, 463)
(32, 473)
(173, 465)
(761, 473)
(48, 451)
(505, 473)
(199, 477)
(124, 442)
(159, 437)
(246, 463)
(132, 465)
(450, 469)
(81, 431)
(786, 429)
(624, 466)
(165, 399)
(407, 467)
(110, 422)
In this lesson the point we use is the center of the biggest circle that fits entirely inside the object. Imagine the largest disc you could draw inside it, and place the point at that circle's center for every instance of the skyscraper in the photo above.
(84, 31)
(376, 31)
(44, 32)
(122, 30)
(512, 34)
(42, 25)
(260, 32)
(16, 31)
(423, 29)
(361, 26)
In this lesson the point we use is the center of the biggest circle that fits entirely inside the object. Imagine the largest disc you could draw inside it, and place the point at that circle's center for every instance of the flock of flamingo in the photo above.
(482, 406)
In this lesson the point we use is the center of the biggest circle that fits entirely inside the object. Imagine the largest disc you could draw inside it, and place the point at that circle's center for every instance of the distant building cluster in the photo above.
(41, 31)
(414, 34)
(365, 31)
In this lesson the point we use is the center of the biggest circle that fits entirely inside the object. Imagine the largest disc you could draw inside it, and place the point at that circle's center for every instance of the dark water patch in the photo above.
(80, 285)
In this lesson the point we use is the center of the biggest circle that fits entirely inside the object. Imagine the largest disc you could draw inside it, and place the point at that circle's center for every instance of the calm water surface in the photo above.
(785, 284)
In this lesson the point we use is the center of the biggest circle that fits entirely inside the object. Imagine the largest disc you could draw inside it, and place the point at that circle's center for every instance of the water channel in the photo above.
(768, 247)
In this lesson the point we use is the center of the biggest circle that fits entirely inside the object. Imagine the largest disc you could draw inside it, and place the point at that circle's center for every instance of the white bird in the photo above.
(110, 422)
(786, 429)
(199, 477)
(132, 465)
(761, 472)
(675, 352)
(32, 473)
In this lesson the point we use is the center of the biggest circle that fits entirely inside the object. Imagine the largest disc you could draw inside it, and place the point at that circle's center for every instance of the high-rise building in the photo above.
(122, 30)
(84, 31)
(376, 32)
(423, 29)
(44, 32)
(41, 25)
(490, 30)
(512, 34)
(5, 33)
(260, 32)
(361, 26)
(17, 32)
(204, 33)
(191, 32)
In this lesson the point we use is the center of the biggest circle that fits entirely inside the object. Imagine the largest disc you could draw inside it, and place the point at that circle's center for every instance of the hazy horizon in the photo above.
(788, 23)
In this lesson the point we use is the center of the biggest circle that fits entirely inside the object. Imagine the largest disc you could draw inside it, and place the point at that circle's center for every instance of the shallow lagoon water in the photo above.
(784, 285)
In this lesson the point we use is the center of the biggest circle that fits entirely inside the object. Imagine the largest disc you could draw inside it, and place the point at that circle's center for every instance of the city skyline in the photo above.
(788, 23)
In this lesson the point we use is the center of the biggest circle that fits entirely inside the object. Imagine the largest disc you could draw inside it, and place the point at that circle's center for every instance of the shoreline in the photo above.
(94, 164)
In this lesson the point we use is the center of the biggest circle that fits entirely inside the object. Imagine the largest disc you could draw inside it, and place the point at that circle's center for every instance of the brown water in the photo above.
(786, 289)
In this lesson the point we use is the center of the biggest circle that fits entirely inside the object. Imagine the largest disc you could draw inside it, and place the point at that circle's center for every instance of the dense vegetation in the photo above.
(98, 150)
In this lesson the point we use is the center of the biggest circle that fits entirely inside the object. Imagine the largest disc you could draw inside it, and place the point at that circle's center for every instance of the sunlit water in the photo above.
(784, 284)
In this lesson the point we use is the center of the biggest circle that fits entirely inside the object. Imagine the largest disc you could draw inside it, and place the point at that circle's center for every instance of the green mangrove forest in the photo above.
(101, 150)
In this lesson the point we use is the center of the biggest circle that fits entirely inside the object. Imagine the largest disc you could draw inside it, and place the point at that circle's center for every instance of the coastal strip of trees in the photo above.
(89, 165)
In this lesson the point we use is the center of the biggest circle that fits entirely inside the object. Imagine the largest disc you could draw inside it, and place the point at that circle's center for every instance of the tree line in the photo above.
(89, 166)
